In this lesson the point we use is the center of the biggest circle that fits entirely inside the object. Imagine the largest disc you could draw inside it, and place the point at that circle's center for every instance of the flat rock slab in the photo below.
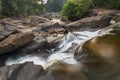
(15, 41)
(90, 23)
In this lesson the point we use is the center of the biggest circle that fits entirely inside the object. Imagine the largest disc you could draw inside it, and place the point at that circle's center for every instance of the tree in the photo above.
(54, 5)
(21, 7)
(107, 4)
(74, 9)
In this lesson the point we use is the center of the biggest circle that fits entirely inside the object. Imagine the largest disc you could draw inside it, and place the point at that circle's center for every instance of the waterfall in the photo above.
(59, 53)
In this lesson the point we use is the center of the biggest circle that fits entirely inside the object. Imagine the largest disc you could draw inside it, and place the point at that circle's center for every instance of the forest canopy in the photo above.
(21, 7)
(71, 9)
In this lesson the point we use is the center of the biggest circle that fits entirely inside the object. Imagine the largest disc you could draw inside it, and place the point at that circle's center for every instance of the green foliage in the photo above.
(21, 7)
(0, 7)
(54, 5)
(75, 9)
(111, 4)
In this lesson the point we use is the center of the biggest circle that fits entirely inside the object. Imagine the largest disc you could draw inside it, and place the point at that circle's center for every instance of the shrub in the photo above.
(21, 7)
(111, 4)
(75, 9)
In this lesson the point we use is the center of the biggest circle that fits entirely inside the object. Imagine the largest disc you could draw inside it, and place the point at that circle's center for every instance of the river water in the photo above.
(62, 52)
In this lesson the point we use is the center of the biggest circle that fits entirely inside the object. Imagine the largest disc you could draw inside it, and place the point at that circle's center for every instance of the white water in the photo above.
(45, 1)
(71, 38)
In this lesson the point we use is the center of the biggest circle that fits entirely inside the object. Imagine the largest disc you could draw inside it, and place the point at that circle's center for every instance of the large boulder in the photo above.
(90, 23)
(38, 47)
(58, 70)
(15, 41)
(25, 71)
(101, 55)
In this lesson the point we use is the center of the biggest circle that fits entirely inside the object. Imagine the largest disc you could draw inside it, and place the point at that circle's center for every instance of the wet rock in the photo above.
(101, 55)
(89, 23)
(15, 41)
(25, 71)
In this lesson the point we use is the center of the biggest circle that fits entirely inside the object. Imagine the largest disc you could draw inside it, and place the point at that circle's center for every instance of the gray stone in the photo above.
(15, 41)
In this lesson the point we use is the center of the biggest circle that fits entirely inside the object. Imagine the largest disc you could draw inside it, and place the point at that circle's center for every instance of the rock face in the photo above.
(26, 71)
(90, 23)
(15, 41)
(101, 55)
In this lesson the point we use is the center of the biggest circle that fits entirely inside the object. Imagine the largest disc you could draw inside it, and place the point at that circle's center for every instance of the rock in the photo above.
(50, 32)
(2, 61)
(38, 47)
(115, 16)
(91, 13)
(97, 12)
(5, 72)
(39, 19)
(5, 33)
(1, 37)
(10, 28)
(25, 71)
(47, 24)
(26, 30)
(15, 41)
(46, 77)
(57, 70)
(31, 21)
(1, 27)
(89, 23)
(6, 30)
(54, 37)
(55, 29)
(101, 55)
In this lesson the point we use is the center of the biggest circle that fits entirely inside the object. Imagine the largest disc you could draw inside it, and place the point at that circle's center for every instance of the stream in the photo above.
(62, 52)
